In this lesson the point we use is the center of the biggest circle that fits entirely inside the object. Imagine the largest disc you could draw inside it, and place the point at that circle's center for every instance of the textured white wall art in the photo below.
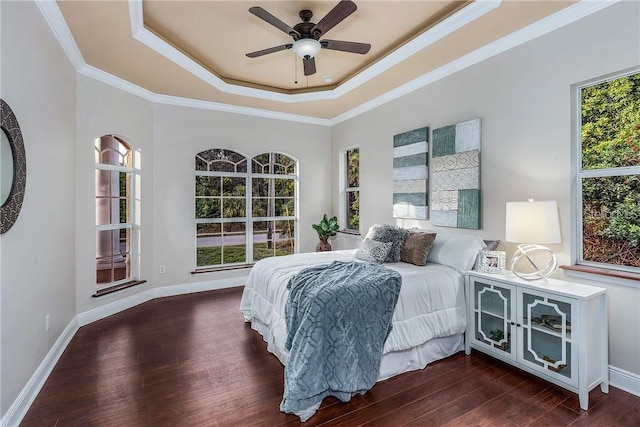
(411, 174)
(455, 177)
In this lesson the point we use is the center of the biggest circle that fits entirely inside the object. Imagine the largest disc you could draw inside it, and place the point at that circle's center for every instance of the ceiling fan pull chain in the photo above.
(295, 68)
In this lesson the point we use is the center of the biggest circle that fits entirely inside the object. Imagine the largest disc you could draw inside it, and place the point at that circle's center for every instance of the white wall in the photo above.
(524, 99)
(103, 110)
(48, 257)
(180, 133)
(38, 254)
(168, 138)
(47, 264)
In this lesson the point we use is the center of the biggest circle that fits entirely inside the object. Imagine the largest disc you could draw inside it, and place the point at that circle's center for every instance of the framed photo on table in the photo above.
(492, 261)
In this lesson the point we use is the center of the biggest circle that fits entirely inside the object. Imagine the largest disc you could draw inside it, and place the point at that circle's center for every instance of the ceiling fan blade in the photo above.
(331, 19)
(269, 18)
(353, 47)
(269, 50)
(309, 66)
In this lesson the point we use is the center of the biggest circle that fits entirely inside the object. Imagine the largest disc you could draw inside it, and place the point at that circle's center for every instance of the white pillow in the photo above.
(372, 231)
(457, 251)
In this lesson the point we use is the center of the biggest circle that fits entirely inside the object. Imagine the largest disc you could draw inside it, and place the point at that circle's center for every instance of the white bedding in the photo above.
(431, 307)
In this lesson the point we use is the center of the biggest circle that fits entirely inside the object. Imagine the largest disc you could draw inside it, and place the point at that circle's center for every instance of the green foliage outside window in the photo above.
(610, 137)
(220, 198)
(353, 181)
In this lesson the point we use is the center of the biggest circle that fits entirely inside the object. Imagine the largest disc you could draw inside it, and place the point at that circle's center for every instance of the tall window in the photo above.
(352, 189)
(273, 208)
(243, 213)
(114, 211)
(608, 184)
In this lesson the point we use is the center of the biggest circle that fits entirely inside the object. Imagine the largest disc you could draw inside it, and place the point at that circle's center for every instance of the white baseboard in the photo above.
(106, 310)
(618, 378)
(624, 380)
(16, 412)
(189, 288)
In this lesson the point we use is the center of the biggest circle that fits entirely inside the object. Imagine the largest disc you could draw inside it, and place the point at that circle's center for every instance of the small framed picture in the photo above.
(492, 261)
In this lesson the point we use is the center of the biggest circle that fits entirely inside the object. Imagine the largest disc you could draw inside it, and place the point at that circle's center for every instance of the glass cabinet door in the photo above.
(494, 312)
(546, 334)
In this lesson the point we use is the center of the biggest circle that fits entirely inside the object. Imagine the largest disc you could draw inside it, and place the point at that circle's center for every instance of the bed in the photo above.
(429, 319)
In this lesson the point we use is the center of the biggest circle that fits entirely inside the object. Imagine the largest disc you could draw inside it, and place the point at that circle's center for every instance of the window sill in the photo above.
(617, 277)
(116, 288)
(225, 268)
(349, 232)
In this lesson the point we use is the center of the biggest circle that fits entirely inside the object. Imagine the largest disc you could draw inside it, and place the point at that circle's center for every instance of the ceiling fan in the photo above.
(306, 34)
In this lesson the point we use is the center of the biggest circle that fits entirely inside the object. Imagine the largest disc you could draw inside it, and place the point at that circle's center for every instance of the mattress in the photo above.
(431, 306)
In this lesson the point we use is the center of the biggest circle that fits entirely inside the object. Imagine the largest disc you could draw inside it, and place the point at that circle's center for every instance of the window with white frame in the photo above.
(273, 205)
(608, 173)
(352, 189)
(244, 214)
(115, 228)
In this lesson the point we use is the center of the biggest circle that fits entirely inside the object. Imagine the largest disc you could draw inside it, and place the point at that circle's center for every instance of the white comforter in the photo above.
(431, 302)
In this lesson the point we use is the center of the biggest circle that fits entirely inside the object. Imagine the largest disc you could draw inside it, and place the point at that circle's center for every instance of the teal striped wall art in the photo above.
(411, 174)
(455, 175)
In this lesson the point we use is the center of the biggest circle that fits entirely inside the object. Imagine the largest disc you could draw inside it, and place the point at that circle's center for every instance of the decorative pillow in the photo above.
(373, 251)
(490, 245)
(457, 251)
(372, 231)
(389, 233)
(416, 247)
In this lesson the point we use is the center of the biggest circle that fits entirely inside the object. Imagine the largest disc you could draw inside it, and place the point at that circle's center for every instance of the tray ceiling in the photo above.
(195, 50)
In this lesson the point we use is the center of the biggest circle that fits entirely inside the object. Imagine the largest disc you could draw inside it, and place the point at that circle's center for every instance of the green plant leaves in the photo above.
(327, 227)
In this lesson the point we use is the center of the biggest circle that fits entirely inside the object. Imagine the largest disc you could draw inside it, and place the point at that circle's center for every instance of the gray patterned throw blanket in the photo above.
(338, 317)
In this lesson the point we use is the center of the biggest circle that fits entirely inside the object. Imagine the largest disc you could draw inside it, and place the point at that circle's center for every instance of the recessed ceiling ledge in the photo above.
(459, 19)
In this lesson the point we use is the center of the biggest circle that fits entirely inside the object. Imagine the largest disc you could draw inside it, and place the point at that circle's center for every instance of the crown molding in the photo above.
(459, 19)
(133, 89)
(117, 82)
(546, 25)
(228, 108)
(583, 8)
(56, 22)
(54, 18)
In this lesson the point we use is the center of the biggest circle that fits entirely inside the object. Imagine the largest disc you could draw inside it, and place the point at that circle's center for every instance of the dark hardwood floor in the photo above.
(191, 361)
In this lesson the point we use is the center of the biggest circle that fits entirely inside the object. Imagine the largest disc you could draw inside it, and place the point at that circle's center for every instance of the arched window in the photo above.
(115, 231)
(243, 214)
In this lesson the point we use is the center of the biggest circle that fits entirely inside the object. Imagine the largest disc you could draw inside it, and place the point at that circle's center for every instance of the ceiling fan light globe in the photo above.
(306, 48)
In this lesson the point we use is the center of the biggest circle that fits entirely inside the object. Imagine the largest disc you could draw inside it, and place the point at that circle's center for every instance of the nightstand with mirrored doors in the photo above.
(554, 329)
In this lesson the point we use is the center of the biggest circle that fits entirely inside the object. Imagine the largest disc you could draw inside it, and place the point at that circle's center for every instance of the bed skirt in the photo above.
(393, 363)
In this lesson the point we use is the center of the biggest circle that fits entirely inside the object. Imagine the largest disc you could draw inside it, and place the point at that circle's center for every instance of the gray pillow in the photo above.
(373, 251)
(396, 235)
(416, 248)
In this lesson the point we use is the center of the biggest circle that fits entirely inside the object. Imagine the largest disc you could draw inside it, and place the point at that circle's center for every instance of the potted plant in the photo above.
(326, 228)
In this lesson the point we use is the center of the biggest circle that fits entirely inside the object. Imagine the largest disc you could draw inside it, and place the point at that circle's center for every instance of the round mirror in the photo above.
(13, 168)
(6, 168)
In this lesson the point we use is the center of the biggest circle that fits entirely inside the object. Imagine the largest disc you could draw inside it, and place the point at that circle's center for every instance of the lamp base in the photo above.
(523, 254)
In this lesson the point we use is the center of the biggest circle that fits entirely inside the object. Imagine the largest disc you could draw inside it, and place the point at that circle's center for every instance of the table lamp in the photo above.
(531, 224)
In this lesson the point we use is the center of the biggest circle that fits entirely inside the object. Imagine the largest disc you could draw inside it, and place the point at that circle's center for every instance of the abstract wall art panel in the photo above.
(411, 174)
(455, 175)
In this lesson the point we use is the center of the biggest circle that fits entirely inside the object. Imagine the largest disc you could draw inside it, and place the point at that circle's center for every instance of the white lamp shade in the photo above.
(306, 47)
(532, 222)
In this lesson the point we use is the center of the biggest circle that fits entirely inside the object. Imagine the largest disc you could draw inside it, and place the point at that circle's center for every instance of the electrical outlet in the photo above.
(162, 269)
(47, 319)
